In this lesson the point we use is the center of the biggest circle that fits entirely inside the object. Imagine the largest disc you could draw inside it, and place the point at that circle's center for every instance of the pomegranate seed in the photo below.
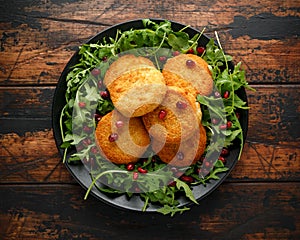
(238, 115)
(81, 104)
(104, 59)
(229, 124)
(104, 94)
(100, 84)
(172, 184)
(187, 179)
(215, 121)
(162, 58)
(226, 94)
(95, 72)
(97, 117)
(180, 156)
(87, 141)
(113, 137)
(87, 129)
(223, 127)
(130, 166)
(217, 94)
(222, 159)
(162, 114)
(207, 164)
(191, 51)
(135, 175)
(200, 50)
(119, 124)
(141, 170)
(94, 150)
(190, 63)
(181, 105)
(175, 53)
(224, 152)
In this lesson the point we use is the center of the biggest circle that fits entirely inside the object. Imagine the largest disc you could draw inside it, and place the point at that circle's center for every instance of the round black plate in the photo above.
(81, 174)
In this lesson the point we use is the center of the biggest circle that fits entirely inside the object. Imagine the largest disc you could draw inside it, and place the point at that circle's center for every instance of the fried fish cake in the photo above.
(138, 92)
(184, 153)
(121, 140)
(189, 72)
(125, 64)
(176, 118)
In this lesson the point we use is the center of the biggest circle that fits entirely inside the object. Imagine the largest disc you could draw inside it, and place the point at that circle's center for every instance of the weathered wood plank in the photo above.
(264, 211)
(38, 39)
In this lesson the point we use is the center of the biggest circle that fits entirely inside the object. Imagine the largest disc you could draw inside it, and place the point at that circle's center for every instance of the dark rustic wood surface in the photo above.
(38, 197)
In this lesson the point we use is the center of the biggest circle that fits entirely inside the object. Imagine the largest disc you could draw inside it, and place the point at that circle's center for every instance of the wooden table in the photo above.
(38, 197)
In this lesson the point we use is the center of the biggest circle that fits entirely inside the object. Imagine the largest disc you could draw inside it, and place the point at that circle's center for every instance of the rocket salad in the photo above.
(78, 132)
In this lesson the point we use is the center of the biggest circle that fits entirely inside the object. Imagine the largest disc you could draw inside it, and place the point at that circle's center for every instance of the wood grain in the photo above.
(233, 211)
(38, 42)
(40, 199)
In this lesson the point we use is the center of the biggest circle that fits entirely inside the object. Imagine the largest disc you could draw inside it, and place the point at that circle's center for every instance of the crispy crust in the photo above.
(125, 64)
(138, 92)
(195, 80)
(132, 142)
(178, 123)
(191, 149)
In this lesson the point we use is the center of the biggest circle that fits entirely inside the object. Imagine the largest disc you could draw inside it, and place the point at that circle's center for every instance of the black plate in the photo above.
(81, 174)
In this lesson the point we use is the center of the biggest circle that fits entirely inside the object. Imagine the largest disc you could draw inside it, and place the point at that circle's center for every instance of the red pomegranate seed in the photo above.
(141, 170)
(135, 175)
(226, 94)
(104, 94)
(113, 137)
(200, 50)
(238, 115)
(130, 166)
(229, 124)
(172, 184)
(119, 124)
(181, 105)
(224, 152)
(100, 84)
(190, 63)
(81, 104)
(222, 159)
(87, 141)
(162, 58)
(191, 51)
(175, 53)
(215, 121)
(87, 129)
(207, 164)
(217, 94)
(162, 114)
(104, 59)
(223, 127)
(95, 72)
(94, 150)
(187, 179)
(97, 117)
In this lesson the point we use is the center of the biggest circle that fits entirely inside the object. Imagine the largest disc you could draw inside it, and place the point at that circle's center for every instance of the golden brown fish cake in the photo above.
(121, 140)
(125, 64)
(138, 92)
(184, 153)
(175, 119)
(194, 76)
